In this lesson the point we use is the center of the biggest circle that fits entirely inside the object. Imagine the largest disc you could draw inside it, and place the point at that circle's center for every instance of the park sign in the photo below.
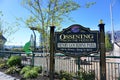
(77, 40)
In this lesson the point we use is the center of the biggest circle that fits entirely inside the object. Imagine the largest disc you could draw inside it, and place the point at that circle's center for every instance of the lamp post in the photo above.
(33, 29)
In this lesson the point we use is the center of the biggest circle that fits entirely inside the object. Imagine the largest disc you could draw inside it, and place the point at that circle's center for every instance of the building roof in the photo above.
(2, 37)
(2, 41)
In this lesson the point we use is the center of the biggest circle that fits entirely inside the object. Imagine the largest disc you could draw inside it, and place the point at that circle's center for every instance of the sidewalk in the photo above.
(6, 77)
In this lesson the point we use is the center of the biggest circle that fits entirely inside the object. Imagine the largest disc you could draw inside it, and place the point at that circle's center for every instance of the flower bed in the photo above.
(13, 67)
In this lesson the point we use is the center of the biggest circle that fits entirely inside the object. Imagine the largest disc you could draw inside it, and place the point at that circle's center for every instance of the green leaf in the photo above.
(26, 48)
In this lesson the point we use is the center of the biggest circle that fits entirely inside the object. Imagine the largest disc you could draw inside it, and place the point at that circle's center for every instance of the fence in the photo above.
(70, 64)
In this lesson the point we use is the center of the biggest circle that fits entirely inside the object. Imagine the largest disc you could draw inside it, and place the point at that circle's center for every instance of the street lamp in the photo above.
(34, 28)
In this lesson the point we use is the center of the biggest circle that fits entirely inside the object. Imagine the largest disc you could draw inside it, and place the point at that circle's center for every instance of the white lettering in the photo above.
(76, 45)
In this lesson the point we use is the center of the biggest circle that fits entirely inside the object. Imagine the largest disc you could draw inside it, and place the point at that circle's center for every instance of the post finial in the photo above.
(101, 21)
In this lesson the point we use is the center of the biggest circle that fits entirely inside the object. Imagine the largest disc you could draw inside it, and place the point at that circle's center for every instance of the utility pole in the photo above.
(112, 25)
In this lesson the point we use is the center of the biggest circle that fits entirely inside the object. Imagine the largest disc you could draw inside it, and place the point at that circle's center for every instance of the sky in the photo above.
(87, 17)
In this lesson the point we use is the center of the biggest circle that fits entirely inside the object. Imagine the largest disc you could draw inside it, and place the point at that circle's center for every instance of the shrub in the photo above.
(89, 75)
(12, 70)
(38, 69)
(63, 79)
(30, 74)
(80, 75)
(2, 61)
(3, 65)
(14, 61)
(65, 75)
(25, 69)
(83, 75)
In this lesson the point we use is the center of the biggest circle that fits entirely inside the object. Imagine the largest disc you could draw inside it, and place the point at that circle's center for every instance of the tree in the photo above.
(108, 43)
(6, 28)
(47, 13)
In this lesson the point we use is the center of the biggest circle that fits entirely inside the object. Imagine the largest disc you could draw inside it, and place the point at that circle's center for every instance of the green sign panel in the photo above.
(76, 40)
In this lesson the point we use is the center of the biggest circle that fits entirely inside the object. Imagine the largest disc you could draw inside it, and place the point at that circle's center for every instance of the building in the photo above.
(2, 41)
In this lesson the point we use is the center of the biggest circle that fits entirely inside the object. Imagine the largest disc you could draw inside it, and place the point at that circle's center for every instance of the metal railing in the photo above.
(70, 64)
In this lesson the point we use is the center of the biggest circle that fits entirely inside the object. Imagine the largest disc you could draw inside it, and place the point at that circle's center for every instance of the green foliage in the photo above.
(5, 27)
(13, 70)
(63, 79)
(89, 4)
(108, 44)
(51, 13)
(38, 69)
(14, 61)
(80, 75)
(84, 75)
(47, 13)
(25, 69)
(30, 74)
(3, 65)
(2, 61)
(65, 75)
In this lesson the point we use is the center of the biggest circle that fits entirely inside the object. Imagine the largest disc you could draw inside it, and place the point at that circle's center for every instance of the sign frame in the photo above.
(76, 31)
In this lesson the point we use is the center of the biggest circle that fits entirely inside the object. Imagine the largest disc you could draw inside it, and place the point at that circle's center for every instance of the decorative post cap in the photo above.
(101, 21)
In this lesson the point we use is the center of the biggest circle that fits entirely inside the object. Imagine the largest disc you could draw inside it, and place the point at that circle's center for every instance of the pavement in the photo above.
(4, 76)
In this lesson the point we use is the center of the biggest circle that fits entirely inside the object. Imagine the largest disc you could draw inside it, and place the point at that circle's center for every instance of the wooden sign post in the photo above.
(102, 52)
(52, 61)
